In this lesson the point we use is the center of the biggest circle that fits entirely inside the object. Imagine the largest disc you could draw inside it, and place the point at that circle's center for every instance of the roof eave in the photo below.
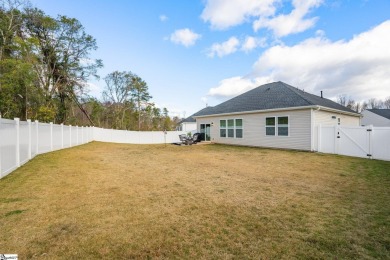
(284, 109)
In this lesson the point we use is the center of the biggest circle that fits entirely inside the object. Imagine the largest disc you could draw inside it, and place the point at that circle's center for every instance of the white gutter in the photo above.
(339, 111)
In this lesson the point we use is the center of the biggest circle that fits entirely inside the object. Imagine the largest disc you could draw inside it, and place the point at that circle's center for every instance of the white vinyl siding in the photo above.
(254, 130)
(326, 118)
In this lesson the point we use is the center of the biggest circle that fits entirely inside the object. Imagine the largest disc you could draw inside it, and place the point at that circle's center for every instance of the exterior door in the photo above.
(205, 131)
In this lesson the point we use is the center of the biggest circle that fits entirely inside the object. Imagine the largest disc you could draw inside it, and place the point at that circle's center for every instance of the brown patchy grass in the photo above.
(202, 201)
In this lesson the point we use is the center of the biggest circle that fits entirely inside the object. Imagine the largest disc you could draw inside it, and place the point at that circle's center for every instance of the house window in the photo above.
(276, 126)
(230, 124)
(270, 126)
(222, 128)
(231, 128)
(238, 128)
(283, 126)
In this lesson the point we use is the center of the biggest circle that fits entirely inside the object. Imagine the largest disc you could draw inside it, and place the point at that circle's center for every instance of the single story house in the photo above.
(274, 115)
(376, 117)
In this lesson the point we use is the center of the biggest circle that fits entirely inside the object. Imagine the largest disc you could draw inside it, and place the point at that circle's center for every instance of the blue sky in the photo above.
(205, 51)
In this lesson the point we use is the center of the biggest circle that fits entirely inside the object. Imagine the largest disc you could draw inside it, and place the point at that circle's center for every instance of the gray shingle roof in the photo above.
(382, 112)
(271, 96)
(188, 120)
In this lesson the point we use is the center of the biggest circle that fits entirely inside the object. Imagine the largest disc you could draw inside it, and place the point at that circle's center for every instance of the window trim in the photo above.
(276, 126)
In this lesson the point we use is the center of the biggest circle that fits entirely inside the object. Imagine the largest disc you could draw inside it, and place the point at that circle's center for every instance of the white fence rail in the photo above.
(20, 141)
(366, 142)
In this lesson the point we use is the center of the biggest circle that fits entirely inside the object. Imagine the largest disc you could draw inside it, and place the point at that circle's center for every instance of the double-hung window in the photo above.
(270, 126)
(222, 128)
(239, 128)
(231, 128)
(283, 126)
(230, 124)
(276, 126)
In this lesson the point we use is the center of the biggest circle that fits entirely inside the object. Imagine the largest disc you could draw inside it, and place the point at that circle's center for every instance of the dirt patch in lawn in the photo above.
(212, 201)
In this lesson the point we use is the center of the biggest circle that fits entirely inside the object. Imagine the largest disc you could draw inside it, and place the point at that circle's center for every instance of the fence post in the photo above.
(51, 136)
(82, 134)
(77, 135)
(62, 136)
(370, 137)
(29, 139)
(37, 135)
(17, 127)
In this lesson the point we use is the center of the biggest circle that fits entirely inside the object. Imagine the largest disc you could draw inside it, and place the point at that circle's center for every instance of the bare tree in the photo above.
(374, 103)
(386, 103)
(351, 104)
(342, 100)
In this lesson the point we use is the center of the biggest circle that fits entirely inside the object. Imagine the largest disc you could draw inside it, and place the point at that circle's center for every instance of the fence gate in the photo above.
(365, 142)
(354, 141)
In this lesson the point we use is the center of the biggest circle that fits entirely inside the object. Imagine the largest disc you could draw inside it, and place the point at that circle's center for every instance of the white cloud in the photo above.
(252, 43)
(223, 14)
(225, 48)
(185, 37)
(294, 22)
(236, 85)
(163, 18)
(233, 44)
(359, 67)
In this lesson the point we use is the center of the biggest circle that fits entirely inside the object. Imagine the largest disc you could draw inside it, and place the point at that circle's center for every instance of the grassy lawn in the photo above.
(202, 201)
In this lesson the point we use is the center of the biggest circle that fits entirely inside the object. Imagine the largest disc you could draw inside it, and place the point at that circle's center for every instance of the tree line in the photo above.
(45, 66)
(372, 103)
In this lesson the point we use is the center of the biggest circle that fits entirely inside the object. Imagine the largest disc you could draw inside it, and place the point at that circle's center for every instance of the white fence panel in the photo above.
(24, 142)
(74, 135)
(326, 139)
(136, 137)
(44, 139)
(34, 139)
(380, 143)
(79, 135)
(66, 136)
(57, 137)
(8, 140)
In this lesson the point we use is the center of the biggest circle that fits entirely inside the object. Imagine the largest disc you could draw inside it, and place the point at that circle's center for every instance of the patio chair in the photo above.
(185, 140)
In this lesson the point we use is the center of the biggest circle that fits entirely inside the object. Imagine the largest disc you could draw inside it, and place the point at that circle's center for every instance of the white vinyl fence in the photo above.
(20, 141)
(136, 137)
(361, 141)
